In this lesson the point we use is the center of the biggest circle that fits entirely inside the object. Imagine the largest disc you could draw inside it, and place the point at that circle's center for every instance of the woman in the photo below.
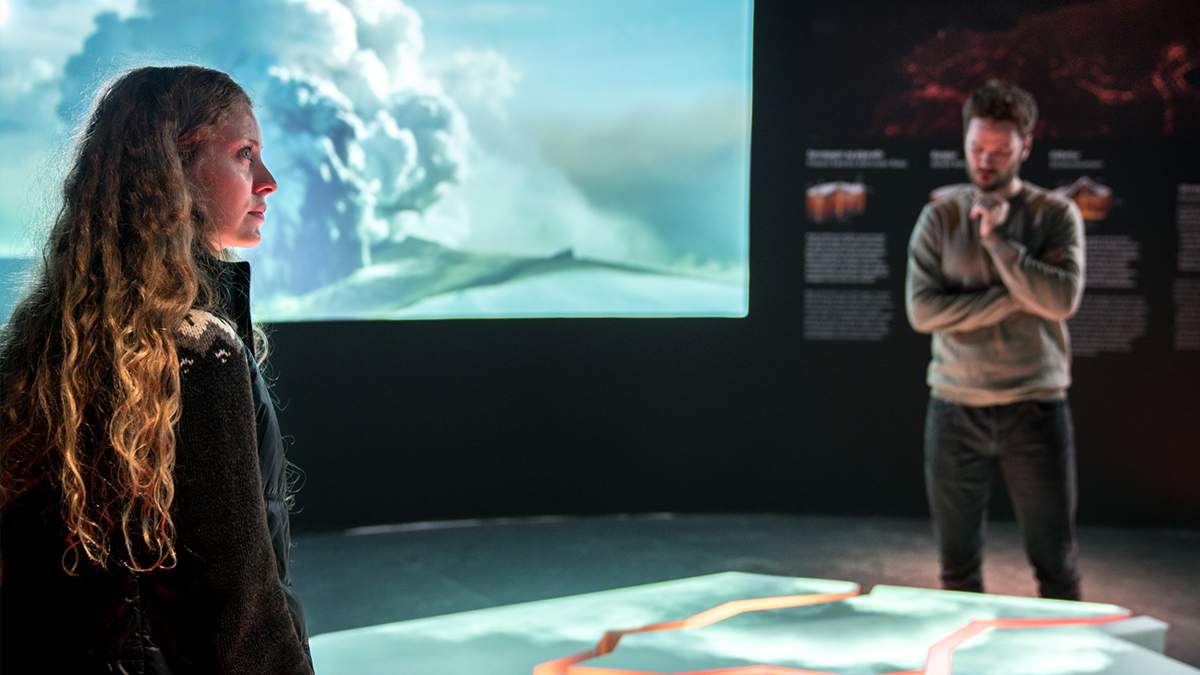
(142, 475)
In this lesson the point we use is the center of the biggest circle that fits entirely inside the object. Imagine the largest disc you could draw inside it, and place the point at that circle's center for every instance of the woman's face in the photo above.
(233, 180)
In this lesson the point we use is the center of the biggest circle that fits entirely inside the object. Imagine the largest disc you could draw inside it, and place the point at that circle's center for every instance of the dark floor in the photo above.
(380, 575)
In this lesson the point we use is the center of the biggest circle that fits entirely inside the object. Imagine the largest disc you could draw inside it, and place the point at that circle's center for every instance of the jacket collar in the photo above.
(233, 294)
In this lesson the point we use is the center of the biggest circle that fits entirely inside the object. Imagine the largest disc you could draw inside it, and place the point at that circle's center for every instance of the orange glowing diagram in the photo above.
(838, 200)
(1092, 198)
(937, 661)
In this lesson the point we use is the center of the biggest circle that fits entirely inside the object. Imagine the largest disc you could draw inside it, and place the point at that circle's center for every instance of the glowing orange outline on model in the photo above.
(937, 660)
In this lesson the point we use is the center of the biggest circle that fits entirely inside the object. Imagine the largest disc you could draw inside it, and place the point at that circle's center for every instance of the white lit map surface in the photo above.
(749, 624)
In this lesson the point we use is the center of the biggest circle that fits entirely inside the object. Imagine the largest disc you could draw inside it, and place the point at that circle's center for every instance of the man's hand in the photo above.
(991, 210)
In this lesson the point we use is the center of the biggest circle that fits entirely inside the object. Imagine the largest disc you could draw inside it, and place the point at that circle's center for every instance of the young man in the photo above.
(994, 271)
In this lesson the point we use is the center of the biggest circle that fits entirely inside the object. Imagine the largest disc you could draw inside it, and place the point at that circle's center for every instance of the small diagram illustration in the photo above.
(1093, 199)
(837, 200)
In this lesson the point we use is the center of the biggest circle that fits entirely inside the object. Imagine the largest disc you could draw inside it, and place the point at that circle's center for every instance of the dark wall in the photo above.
(420, 420)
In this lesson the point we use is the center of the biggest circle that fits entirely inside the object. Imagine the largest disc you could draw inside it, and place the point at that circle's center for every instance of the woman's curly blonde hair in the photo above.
(90, 390)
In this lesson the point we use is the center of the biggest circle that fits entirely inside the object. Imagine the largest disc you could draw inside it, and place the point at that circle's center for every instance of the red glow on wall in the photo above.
(1105, 68)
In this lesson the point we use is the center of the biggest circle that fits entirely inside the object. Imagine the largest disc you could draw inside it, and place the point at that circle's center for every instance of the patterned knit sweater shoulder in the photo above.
(221, 518)
(220, 609)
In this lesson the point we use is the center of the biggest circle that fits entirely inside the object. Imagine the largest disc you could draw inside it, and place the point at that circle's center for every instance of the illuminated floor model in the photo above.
(748, 624)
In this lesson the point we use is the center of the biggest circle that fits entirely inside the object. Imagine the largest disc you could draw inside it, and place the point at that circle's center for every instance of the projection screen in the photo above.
(435, 158)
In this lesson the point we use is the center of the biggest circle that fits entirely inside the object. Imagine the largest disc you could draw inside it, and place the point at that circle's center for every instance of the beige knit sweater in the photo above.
(997, 307)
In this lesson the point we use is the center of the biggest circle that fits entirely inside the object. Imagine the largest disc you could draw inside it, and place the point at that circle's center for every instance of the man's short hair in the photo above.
(1004, 102)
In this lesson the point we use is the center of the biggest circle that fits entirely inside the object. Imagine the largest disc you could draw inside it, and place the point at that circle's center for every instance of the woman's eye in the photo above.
(244, 153)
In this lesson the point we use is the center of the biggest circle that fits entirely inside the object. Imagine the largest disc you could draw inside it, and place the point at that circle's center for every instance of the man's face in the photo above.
(994, 151)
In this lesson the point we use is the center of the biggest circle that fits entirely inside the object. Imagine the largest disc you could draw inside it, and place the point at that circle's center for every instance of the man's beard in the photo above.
(999, 181)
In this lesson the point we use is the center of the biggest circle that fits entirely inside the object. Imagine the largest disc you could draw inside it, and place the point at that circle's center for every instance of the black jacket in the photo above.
(227, 606)
(234, 289)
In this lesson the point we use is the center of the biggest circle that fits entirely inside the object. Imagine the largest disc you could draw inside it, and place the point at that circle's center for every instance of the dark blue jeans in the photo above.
(1033, 445)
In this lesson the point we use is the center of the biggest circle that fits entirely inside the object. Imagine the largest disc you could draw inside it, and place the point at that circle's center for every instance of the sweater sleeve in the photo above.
(224, 546)
(1051, 286)
(930, 304)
